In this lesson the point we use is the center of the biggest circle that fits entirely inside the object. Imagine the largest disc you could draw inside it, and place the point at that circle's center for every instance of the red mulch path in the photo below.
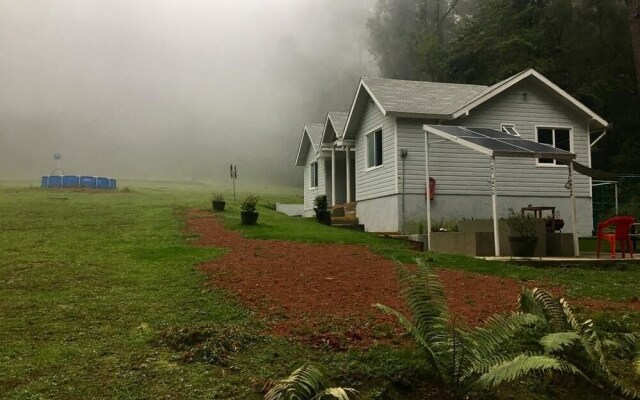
(323, 293)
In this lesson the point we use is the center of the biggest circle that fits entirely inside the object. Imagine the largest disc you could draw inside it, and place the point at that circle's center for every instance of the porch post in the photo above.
(574, 217)
(348, 157)
(333, 175)
(426, 163)
(494, 206)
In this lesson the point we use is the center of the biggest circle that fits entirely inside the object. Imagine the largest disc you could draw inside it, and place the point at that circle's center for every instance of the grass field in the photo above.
(100, 292)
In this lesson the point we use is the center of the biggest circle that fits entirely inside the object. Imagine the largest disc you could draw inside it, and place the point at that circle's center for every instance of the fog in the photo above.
(173, 89)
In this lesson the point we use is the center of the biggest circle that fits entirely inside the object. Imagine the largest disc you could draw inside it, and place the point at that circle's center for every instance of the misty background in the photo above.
(171, 89)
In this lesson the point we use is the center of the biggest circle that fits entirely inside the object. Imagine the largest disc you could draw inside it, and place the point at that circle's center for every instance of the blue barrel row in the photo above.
(71, 181)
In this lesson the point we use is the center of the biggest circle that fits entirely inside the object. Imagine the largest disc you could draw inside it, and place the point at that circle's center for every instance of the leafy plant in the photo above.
(521, 224)
(307, 383)
(321, 207)
(249, 204)
(320, 204)
(463, 360)
(217, 197)
(577, 343)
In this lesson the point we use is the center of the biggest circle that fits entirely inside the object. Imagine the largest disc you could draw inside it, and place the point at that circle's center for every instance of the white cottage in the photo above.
(387, 179)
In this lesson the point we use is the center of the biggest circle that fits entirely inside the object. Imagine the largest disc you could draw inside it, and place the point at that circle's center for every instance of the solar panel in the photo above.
(494, 142)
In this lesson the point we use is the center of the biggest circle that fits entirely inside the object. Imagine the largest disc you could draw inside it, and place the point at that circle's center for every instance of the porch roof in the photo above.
(495, 143)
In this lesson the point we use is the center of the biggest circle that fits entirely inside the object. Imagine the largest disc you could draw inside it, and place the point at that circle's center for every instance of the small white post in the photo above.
(348, 157)
(494, 206)
(333, 175)
(574, 217)
(428, 195)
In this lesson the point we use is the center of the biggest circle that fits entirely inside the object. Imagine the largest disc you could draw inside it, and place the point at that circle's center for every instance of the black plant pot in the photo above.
(218, 205)
(522, 246)
(324, 217)
(249, 217)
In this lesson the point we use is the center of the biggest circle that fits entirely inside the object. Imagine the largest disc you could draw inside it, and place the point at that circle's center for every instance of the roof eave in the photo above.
(299, 161)
(356, 98)
(401, 114)
(520, 77)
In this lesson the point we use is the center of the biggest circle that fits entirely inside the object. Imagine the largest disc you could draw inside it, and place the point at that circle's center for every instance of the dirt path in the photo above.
(323, 293)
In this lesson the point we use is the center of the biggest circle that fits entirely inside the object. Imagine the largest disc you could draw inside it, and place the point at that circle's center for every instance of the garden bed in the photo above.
(323, 294)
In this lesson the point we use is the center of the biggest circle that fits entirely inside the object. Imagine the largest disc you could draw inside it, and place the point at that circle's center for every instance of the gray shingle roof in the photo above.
(417, 97)
(339, 120)
(315, 133)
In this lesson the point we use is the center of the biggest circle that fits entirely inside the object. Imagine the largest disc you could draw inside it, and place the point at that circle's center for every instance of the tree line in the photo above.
(590, 48)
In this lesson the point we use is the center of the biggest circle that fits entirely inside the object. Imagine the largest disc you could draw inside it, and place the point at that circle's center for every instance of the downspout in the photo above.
(403, 155)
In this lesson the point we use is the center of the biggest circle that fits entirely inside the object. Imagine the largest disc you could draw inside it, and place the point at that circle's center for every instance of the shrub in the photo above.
(521, 224)
(217, 197)
(249, 204)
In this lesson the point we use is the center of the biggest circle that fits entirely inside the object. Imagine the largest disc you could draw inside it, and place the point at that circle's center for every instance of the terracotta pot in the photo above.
(249, 218)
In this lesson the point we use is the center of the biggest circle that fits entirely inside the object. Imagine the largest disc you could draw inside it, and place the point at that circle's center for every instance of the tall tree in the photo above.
(633, 7)
(408, 37)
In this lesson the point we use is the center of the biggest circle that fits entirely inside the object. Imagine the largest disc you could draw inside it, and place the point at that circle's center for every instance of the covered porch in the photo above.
(491, 240)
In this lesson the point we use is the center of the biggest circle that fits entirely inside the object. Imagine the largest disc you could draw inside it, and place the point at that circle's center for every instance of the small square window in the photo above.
(510, 129)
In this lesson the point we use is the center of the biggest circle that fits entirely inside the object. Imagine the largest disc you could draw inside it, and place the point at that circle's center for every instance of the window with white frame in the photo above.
(560, 138)
(374, 149)
(510, 129)
(313, 175)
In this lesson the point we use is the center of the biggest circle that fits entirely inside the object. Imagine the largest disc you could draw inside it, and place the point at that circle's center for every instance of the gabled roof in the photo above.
(415, 97)
(434, 100)
(311, 136)
(333, 126)
(530, 73)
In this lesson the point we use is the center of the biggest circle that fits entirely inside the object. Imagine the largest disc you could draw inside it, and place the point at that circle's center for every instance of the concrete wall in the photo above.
(379, 215)
(292, 210)
(451, 208)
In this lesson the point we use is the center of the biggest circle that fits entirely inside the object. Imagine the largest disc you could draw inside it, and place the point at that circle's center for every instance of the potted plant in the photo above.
(522, 233)
(249, 216)
(321, 207)
(553, 223)
(217, 202)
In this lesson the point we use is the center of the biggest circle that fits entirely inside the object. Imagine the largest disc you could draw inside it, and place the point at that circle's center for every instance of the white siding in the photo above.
(460, 171)
(310, 194)
(379, 181)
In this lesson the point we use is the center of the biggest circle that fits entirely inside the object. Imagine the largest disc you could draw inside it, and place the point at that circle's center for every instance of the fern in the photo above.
(636, 360)
(488, 356)
(559, 341)
(524, 365)
(306, 383)
(574, 342)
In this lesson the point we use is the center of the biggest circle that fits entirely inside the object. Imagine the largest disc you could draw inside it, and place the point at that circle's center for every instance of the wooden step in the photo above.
(344, 221)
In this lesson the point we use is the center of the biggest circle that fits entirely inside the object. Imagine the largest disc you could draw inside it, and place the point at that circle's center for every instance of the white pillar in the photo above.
(333, 176)
(494, 206)
(574, 217)
(428, 195)
(348, 158)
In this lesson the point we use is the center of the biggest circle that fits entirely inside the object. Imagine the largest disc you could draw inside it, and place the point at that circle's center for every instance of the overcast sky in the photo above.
(173, 89)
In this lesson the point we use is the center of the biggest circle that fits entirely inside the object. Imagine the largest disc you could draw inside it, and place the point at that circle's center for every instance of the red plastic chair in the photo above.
(621, 234)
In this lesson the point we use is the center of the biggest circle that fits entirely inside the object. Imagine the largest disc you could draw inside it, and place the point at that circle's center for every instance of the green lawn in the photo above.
(100, 292)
